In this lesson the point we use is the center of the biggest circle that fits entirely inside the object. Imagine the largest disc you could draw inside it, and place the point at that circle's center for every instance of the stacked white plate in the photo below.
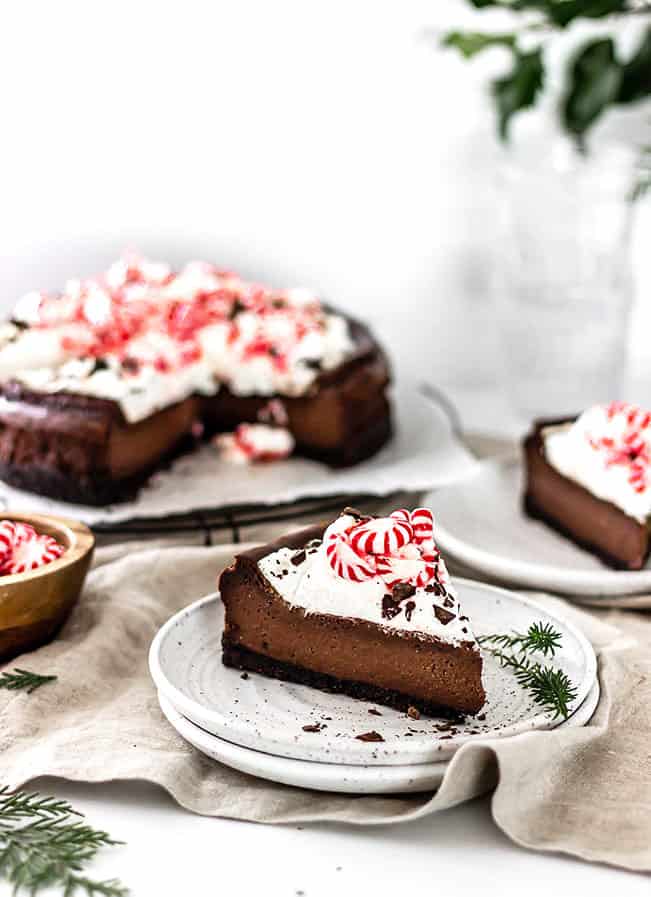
(300, 736)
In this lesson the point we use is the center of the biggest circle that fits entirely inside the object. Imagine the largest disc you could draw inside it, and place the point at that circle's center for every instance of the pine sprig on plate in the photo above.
(41, 846)
(20, 679)
(540, 637)
(551, 688)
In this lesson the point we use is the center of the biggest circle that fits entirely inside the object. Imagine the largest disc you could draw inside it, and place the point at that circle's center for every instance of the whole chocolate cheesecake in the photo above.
(589, 478)
(364, 607)
(106, 382)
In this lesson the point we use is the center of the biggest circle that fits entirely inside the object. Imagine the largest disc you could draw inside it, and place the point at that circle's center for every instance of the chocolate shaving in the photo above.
(390, 608)
(448, 602)
(236, 308)
(410, 607)
(353, 512)
(403, 590)
(413, 713)
(244, 676)
(442, 615)
(369, 736)
(298, 559)
(374, 711)
(101, 364)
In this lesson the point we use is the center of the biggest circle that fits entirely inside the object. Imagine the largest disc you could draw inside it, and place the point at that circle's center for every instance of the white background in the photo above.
(329, 144)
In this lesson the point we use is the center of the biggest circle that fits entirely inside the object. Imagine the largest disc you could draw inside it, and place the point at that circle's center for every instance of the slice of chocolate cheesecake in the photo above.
(364, 607)
(589, 478)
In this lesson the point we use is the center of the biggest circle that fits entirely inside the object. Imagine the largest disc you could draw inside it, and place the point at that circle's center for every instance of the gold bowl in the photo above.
(35, 604)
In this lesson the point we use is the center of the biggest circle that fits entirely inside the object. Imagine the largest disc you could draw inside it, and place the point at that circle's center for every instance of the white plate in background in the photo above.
(480, 522)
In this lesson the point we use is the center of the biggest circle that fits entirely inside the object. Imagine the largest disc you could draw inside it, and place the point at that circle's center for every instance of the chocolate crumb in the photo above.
(448, 601)
(374, 711)
(369, 736)
(481, 716)
(244, 676)
(442, 615)
(413, 713)
(410, 607)
(236, 308)
(315, 727)
(298, 559)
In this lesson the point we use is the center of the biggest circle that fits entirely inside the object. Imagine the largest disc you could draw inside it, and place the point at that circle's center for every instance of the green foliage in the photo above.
(20, 679)
(593, 85)
(548, 686)
(596, 79)
(469, 43)
(519, 89)
(43, 846)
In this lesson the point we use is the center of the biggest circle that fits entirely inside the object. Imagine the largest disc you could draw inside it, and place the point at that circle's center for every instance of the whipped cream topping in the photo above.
(252, 443)
(406, 587)
(607, 450)
(146, 337)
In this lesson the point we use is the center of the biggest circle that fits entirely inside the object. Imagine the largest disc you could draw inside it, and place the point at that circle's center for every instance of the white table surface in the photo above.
(170, 851)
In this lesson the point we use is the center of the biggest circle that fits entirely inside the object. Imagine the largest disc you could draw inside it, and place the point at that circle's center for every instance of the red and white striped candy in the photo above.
(386, 535)
(345, 561)
(394, 570)
(422, 522)
(30, 553)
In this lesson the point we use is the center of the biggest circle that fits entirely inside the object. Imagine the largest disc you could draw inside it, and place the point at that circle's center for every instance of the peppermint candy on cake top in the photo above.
(396, 549)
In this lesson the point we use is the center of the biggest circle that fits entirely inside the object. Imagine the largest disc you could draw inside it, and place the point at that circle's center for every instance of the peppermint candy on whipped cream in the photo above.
(252, 443)
(22, 548)
(386, 548)
(607, 450)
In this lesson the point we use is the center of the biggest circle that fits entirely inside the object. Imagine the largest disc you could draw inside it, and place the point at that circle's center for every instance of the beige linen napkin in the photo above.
(582, 791)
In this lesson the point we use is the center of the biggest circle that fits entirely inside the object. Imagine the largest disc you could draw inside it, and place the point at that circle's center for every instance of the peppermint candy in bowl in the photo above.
(43, 565)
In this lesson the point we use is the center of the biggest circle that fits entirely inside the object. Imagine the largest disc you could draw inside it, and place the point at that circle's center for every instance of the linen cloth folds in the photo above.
(584, 791)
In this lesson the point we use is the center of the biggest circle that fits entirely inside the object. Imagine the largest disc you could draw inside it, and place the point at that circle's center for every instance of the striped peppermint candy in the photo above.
(346, 561)
(410, 570)
(32, 552)
(386, 535)
(422, 521)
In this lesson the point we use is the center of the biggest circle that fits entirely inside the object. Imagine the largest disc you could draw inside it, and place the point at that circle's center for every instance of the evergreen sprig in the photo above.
(42, 845)
(20, 679)
(540, 637)
(549, 687)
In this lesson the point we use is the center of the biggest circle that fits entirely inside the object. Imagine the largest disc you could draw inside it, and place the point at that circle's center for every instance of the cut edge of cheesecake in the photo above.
(265, 634)
(592, 523)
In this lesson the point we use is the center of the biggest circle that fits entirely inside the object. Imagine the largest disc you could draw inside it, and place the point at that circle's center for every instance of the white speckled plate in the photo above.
(332, 776)
(268, 715)
(480, 522)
